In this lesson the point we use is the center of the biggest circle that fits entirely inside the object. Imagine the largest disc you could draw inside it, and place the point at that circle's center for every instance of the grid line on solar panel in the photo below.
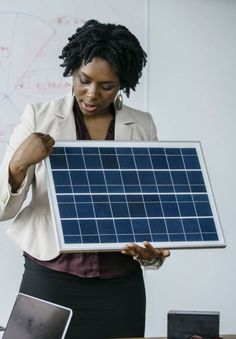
(139, 186)
(168, 179)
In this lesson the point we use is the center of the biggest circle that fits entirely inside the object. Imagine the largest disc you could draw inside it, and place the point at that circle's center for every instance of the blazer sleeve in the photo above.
(10, 204)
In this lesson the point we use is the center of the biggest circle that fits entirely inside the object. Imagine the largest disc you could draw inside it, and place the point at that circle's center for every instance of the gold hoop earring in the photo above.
(119, 101)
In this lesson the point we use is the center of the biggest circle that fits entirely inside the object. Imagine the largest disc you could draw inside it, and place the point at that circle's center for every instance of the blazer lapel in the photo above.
(124, 124)
(66, 129)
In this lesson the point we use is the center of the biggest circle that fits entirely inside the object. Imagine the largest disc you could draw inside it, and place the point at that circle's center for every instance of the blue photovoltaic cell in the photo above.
(131, 194)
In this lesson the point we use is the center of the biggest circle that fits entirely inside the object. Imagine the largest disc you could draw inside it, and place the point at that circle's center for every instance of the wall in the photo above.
(188, 86)
(192, 83)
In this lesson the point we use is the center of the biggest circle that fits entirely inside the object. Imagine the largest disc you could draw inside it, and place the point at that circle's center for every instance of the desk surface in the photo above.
(226, 336)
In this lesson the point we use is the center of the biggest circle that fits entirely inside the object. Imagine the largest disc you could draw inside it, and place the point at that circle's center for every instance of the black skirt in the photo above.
(102, 308)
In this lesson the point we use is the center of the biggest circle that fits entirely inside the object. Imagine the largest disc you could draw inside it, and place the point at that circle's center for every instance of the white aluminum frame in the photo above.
(85, 247)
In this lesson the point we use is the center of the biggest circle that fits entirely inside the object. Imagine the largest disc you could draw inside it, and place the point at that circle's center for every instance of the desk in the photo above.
(226, 336)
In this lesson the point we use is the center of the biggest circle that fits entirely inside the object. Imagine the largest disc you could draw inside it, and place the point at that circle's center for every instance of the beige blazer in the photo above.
(32, 226)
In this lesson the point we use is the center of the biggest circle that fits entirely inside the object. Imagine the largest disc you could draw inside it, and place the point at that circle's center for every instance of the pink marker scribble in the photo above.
(4, 51)
(65, 21)
(31, 73)
(42, 82)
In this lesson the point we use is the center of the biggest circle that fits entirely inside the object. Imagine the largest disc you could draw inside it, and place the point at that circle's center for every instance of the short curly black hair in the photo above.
(111, 42)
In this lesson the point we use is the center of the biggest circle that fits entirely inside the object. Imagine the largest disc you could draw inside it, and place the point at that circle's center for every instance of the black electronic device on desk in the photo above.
(185, 324)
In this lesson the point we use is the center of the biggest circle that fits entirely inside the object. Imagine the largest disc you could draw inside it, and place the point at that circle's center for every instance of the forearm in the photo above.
(35, 148)
(17, 174)
(10, 202)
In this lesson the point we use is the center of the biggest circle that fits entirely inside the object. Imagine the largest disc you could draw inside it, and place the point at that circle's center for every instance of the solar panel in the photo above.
(104, 194)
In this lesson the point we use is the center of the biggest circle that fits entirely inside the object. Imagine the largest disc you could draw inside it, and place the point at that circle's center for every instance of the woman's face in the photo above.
(95, 86)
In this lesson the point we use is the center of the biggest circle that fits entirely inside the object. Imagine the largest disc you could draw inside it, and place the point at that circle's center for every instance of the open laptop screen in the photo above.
(33, 318)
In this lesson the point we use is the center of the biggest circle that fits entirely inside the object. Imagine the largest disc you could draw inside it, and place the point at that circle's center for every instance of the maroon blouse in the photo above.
(88, 265)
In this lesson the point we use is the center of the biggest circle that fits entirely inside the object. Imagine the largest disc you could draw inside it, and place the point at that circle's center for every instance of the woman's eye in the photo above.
(107, 88)
(84, 81)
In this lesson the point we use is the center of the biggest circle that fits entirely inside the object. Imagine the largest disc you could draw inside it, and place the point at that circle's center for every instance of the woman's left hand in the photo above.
(145, 252)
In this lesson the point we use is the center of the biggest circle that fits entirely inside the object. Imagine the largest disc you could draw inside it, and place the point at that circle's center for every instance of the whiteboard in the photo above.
(31, 39)
(32, 35)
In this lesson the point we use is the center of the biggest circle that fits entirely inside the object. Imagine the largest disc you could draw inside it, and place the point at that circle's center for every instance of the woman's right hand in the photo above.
(36, 147)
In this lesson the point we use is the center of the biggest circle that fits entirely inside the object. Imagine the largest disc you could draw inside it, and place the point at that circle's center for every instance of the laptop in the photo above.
(33, 318)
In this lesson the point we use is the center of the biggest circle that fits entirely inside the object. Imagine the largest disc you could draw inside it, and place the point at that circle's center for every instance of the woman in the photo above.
(105, 290)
